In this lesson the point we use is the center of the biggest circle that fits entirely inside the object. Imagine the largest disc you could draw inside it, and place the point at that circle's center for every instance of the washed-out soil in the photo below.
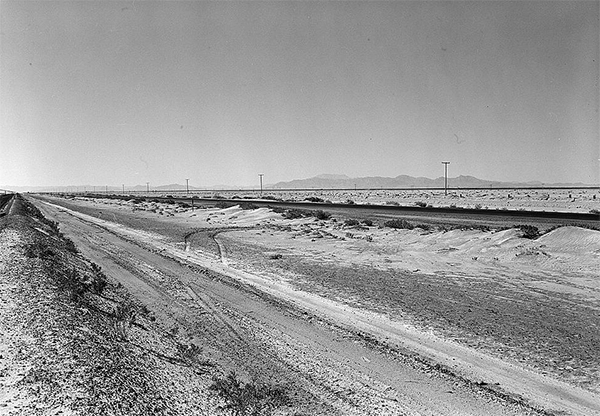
(553, 332)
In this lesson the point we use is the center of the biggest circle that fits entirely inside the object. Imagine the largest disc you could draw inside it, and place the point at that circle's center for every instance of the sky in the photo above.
(111, 92)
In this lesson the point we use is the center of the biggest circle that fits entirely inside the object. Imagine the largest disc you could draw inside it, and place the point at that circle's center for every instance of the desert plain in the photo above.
(351, 315)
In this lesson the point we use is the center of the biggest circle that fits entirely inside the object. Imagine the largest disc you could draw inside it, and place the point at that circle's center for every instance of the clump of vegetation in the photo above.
(248, 206)
(313, 199)
(125, 315)
(529, 231)
(351, 222)
(223, 205)
(270, 197)
(99, 279)
(349, 202)
(69, 244)
(423, 226)
(421, 204)
(248, 399)
(322, 215)
(399, 224)
(39, 250)
(292, 214)
(189, 353)
(594, 211)
(367, 222)
(74, 284)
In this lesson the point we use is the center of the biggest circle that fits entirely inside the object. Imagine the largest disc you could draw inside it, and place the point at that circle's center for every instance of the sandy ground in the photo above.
(523, 303)
(563, 200)
(63, 356)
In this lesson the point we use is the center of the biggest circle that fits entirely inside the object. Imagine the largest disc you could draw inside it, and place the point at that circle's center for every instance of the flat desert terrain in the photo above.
(561, 200)
(357, 317)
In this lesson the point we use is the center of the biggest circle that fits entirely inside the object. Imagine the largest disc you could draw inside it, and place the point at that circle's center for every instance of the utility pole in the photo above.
(446, 177)
(147, 187)
(187, 186)
(123, 185)
(260, 175)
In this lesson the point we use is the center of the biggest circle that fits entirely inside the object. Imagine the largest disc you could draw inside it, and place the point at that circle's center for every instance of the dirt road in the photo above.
(330, 358)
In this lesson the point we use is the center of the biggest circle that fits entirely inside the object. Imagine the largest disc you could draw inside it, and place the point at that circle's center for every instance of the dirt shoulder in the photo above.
(73, 343)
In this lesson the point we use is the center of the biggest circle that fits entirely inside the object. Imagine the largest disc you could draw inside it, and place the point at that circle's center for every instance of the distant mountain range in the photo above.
(329, 181)
(325, 181)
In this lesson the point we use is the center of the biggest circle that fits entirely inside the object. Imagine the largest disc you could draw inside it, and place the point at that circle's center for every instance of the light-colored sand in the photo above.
(568, 256)
(563, 200)
(563, 261)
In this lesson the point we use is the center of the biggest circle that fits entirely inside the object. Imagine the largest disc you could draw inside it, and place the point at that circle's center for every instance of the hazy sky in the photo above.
(99, 92)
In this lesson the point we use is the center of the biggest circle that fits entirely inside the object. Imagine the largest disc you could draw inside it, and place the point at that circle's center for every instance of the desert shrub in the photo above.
(367, 222)
(294, 213)
(594, 211)
(425, 227)
(421, 204)
(69, 244)
(322, 215)
(477, 206)
(351, 222)
(223, 204)
(248, 205)
(398, 224)
(313, 199)
(74, 284)
(270, 197)
(275, 256)
(349, 202)
(395, 203)
(99, 279)
(248, 399)
(529, 231)
(189, 353)
(39, 249)
(125, 315)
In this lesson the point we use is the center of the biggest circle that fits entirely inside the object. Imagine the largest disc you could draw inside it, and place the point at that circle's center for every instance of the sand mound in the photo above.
(574, 238)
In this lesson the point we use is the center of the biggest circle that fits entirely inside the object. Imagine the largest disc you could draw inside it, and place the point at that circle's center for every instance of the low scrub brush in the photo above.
(399, 224)
(248, 399)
